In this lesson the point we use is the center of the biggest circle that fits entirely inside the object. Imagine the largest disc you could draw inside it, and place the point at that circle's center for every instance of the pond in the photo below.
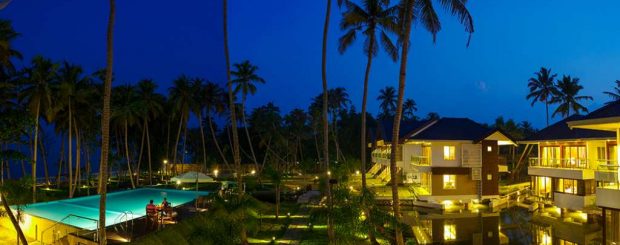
(513, 225)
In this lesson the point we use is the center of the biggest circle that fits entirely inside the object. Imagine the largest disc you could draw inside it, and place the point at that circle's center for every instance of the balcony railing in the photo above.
(571, 163)
(421, 160)
(381, 155)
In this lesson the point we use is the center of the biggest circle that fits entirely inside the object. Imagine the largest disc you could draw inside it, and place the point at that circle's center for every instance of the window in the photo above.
(569, 186)
(541, 186)
(449, 181)
(449, 152)
(550, 156)
(600, 153)
(449, 232)
(575, 157)
(489, 148)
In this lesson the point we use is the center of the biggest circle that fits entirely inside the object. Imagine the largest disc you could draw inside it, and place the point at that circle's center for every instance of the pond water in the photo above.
(509, 226)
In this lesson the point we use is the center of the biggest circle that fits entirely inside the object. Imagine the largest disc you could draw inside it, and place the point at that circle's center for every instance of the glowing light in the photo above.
(253, 172)
(273, 238)
(351, 187)
(165, 161)
(288, 214)
(357, 172)
(449, 232)
(26, 221)
(447, 203)
(178, 182)
(316, 177)
(215, 172)
(329, 173)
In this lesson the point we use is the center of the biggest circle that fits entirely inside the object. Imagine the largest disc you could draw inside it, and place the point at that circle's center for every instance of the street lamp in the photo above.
(215, 172)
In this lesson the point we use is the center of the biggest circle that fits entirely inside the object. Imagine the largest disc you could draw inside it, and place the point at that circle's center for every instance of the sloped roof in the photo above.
(561, 131)
(385, 126)
(452, 129)
(610, 110)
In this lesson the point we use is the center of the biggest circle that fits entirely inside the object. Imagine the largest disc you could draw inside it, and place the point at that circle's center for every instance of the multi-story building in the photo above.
(447, 159)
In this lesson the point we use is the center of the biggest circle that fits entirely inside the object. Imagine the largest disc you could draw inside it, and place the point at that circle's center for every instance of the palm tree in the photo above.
(387, 99)
(126, 113)
(338, 100)
(542, 88)
(568, 97)
(425, 14)
(409, 107)
(215, 101)
(181, 94)
(375, 19)
(245, 82)
(197, 104)
(615, 94)
(105, 125)
(151, 104)
(233, 120)
(7, 53)
(38, 95)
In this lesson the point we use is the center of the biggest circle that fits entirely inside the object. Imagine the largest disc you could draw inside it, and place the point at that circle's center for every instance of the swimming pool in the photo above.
(118, 203)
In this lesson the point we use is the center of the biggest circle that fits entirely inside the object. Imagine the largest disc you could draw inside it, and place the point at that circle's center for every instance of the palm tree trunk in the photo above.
(88, 170)
(217, 145)
(105, 126)
(7, 208)
(70, 154)
(62, 159)
(34, 154)
(148, 150)
(547, 109)
(184, 147)
(330, 222)
(77, 159)
(44, 157)
(233, 118)
(133, 186)
(168, 138)
(397, 118)
(202, 138)
(140, 156)
(371, 234)
(176, 144)
(247, 133)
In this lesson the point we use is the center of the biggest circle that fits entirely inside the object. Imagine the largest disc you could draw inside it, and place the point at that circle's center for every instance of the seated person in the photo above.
(151, 213)
(166, 207)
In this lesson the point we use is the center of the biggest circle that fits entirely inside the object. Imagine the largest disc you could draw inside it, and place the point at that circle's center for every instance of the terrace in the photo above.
(561, 168)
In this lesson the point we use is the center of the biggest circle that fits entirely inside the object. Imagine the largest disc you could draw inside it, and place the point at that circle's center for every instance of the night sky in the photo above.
(163, 39)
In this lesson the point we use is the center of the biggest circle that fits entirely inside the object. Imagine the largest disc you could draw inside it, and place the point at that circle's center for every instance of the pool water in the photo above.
(118, 203)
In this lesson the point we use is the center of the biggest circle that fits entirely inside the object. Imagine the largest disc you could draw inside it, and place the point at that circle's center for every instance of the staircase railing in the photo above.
(124, 219)
(54, 235)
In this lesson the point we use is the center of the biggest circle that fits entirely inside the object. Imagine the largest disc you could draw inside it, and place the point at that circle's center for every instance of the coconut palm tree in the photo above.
(542, 88)
(614, 94)
(105, 124)
(387, 102)
(181, 94)
(245, 82)
(7, 53)
(125, 113)
(151, 105)
(409, 107)
(568, 97)
(375, 20)
(215, 102)
(37, 94)
(425, 15)
(197, 105)
(338, 100)
(330, 226)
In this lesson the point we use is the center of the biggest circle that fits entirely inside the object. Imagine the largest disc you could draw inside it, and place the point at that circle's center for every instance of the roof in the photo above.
(385, 126)
(561, 131)
(453, 129)
(609, 110)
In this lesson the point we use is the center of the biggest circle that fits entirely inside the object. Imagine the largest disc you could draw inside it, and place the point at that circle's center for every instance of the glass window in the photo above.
(600, 153)
(612, 226)
(449, 152)
(449, 231)
(542, 186)
(449, 181)
(550, 156)
(569, 186)
(575, 157)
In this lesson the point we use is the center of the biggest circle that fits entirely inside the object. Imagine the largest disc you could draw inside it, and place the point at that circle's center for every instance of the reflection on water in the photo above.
(509, 226)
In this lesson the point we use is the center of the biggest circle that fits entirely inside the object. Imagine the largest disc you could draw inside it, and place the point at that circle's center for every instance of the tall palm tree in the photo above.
(614, 94)
(233, 121)
(126, 113)
(7, 53)
(38, 95)
(425, 15)
(181, 94)
(387, 102)
(105, 125)
(375, 20)
(151, 104)
(409, 107)
(245, 82)
(568, 96)
(197, 104)
(542, 88)
(215, 102)
(338, 100)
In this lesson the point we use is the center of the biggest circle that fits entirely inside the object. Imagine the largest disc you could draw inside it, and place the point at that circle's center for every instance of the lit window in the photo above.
(449, 181)
(448, 152)
(489, 148)
(449, 232)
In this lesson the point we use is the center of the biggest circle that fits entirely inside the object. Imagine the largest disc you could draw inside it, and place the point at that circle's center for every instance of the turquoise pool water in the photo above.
(133, 201)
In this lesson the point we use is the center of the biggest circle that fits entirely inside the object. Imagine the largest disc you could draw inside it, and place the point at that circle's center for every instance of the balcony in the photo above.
(421, 160)
(607, 172)
(561, 168)
(571, 201)
(608, 196)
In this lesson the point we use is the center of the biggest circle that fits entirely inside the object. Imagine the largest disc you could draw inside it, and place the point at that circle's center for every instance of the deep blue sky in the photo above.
(162, 39)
